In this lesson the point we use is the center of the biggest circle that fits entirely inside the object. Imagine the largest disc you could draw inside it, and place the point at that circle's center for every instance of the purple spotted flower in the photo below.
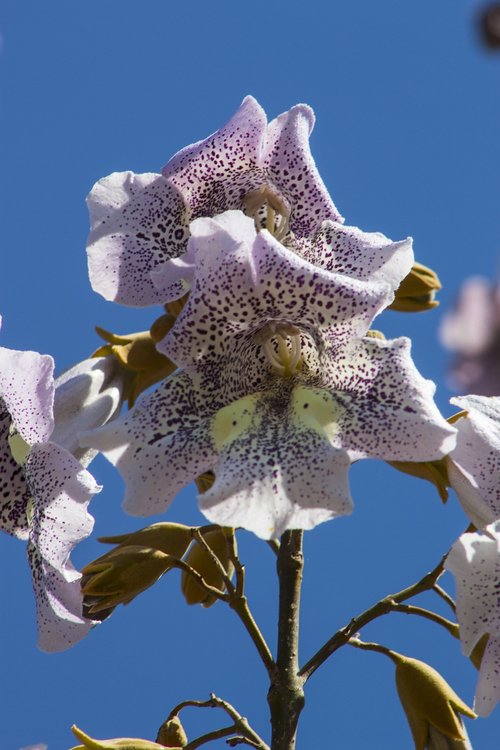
(281, 389)
(44, 489)
(474, 465)
(140, 223)
(475, 562)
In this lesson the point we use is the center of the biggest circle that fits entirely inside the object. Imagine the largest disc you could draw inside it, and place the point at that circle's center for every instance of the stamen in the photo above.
(284, 353)
(277, 212)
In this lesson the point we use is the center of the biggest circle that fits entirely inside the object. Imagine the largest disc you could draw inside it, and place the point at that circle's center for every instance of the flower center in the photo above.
(282, 346)
(269, 211)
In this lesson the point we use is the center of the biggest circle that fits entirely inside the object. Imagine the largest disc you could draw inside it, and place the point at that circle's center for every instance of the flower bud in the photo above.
(199, 559)
(431, 706)
(432, 471)
(172, 734)
(170, 538)
(138, 356)
(122, 743)
(417, 290)
(120, 575)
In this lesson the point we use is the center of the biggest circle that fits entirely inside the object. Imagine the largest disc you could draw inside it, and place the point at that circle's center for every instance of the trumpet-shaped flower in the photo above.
(44, 489)
(140, 223)
(280, 390)
(474, 560)
(474, 465)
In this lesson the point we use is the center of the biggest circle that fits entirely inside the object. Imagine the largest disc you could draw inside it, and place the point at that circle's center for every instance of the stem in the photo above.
(410, 609)
(210, 737)
(286, 694)
(445, 596)
(383, 607)
(240, 606)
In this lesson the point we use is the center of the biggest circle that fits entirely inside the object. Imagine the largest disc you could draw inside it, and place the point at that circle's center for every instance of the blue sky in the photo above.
(407, 141)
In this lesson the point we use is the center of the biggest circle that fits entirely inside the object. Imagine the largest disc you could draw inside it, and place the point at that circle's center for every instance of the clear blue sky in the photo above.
(407, 140)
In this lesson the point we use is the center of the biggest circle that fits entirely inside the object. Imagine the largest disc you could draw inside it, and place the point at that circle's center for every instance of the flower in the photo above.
(280, 390)
(472, 331)
(474, 465)
(474, 560)
(44, 489)
(124, 743)
(433, 709)
(140, 223)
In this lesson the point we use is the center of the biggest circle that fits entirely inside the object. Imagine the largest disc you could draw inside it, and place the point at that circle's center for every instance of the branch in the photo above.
(444, 595)
(410, 609)
(210, 737)
(383, 607)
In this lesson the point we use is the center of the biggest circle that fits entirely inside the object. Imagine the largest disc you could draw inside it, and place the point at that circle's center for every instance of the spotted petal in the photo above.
(14, 493)
(488, 686)
(160, 445)
(59, 604)
(27, 392)
(139, 222)
(288, 160)
(277, 469)
(245, 281)
(61, 491)
(474, 465)
(385, 406)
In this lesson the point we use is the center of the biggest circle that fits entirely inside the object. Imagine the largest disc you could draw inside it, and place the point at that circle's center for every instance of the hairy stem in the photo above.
(286, 693)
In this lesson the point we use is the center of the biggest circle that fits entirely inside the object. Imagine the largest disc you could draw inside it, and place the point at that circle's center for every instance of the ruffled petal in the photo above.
(245, 281)
(474, 560)
(61, 491)
(277, 469)
(386, 408)
(87, 396)
(477, 456)
(366, 256)
(290, 165)
(59, 604)
(216, 173)
(27, 391)
(488, 686)
(14, 493)
(159, 446)
(139, 223)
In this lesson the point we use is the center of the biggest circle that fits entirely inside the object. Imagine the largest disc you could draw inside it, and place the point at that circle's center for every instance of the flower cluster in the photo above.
(281, 384)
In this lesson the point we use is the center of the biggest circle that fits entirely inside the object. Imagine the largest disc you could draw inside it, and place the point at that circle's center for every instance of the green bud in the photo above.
(172, 734)
(120, 575)
(120, 743)
(199, 559)
(417, 290)
(433, 709)
(170, 538)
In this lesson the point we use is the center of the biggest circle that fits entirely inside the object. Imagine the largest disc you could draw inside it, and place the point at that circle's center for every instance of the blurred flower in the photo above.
(44, 489)
(474, 464)
(474, 560)
(140, 223)
(472, 331)
(433, 709)
(281, 388)
(489, 24)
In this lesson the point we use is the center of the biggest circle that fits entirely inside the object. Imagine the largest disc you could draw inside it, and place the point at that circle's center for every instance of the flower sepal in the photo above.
(417, 291)
(123, 743)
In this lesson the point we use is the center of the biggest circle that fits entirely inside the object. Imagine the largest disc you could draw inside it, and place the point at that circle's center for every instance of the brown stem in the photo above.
(410, 609)
(286, 693)
(383, 607)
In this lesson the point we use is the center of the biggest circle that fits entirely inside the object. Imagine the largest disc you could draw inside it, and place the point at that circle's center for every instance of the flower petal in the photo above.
(159, 446)
(61, 491)
(488, 686)
(87, 395)
(387, 407)
(474, 559)
(216, 173)
(27, 390)
(59, 604)
(289, 162)
(139, 222)
(477, 456)
(14, 493)
(244, 281)
(277, 469)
